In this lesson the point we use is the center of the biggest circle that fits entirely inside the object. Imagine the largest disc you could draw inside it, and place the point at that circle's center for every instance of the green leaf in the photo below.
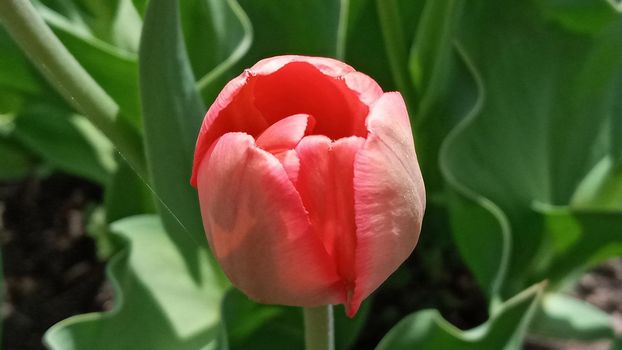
(481, 231)
(293, 20)
(112, 67)
(16, 72)
(172, 117)
(578, 239)
(158, 304)
(616, 124)
(116, 22)
(428, 330)
(546, 94)
(365, 46)
(217, 33)
(602, 187)
(446, 90)
(16, 161)
(583, 16)
(564, 317)
(67, 141)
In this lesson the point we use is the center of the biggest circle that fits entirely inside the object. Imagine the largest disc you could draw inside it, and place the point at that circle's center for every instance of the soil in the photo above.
(51, 271)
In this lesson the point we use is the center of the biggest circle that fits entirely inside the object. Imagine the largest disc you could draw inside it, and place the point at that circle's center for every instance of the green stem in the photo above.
(68, 77)
(319, 329)
(395, 45)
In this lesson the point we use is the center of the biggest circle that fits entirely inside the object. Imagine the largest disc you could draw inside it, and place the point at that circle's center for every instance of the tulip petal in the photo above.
(367, 88)
(325, 65)
(325, 186)
(258, 229)
(285, 134)
(389, 196)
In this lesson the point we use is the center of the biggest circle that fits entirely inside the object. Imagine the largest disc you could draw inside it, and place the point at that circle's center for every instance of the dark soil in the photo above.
(50, 266)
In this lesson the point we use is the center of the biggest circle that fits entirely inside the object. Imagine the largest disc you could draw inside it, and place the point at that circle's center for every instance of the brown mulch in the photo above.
(50, 266)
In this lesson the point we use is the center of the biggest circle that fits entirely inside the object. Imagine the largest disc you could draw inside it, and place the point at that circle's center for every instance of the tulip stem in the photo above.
(319, 329)
(69, 78)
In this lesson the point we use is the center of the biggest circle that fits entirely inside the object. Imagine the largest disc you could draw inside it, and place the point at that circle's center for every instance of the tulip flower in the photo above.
(308, 182)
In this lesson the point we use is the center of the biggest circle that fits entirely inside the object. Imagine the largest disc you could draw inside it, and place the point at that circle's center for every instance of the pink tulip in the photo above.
(308, 182)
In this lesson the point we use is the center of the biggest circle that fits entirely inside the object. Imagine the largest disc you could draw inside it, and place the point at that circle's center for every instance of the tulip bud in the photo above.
(308, 182)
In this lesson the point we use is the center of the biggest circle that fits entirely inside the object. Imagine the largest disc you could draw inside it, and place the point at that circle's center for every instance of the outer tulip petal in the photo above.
(389, 196)
(325, 185)
(242, 117)
(258, 228)
(367, 88)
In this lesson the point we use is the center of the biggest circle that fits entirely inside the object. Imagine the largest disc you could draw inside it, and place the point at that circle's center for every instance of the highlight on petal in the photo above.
(285, 133)
(258, 229)
(389, 196)
(325, 184)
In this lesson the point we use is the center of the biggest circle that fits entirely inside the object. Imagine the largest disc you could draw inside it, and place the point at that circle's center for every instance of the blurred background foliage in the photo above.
(516, 108)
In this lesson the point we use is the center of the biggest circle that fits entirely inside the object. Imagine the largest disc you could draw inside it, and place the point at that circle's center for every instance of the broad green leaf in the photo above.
(217, 33)
(172, 114)
(158, 305)
(16, 162)
(365, 46)
(564, 317)
(255, 326)
(292, 27)
(583, 16)
(67, 141)
(445, 88)
(545, 98)
(487, 254)
(472, 215)
(395, 45)
(578, 239)
(616, 124)
(364, 37)
(428, 330)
